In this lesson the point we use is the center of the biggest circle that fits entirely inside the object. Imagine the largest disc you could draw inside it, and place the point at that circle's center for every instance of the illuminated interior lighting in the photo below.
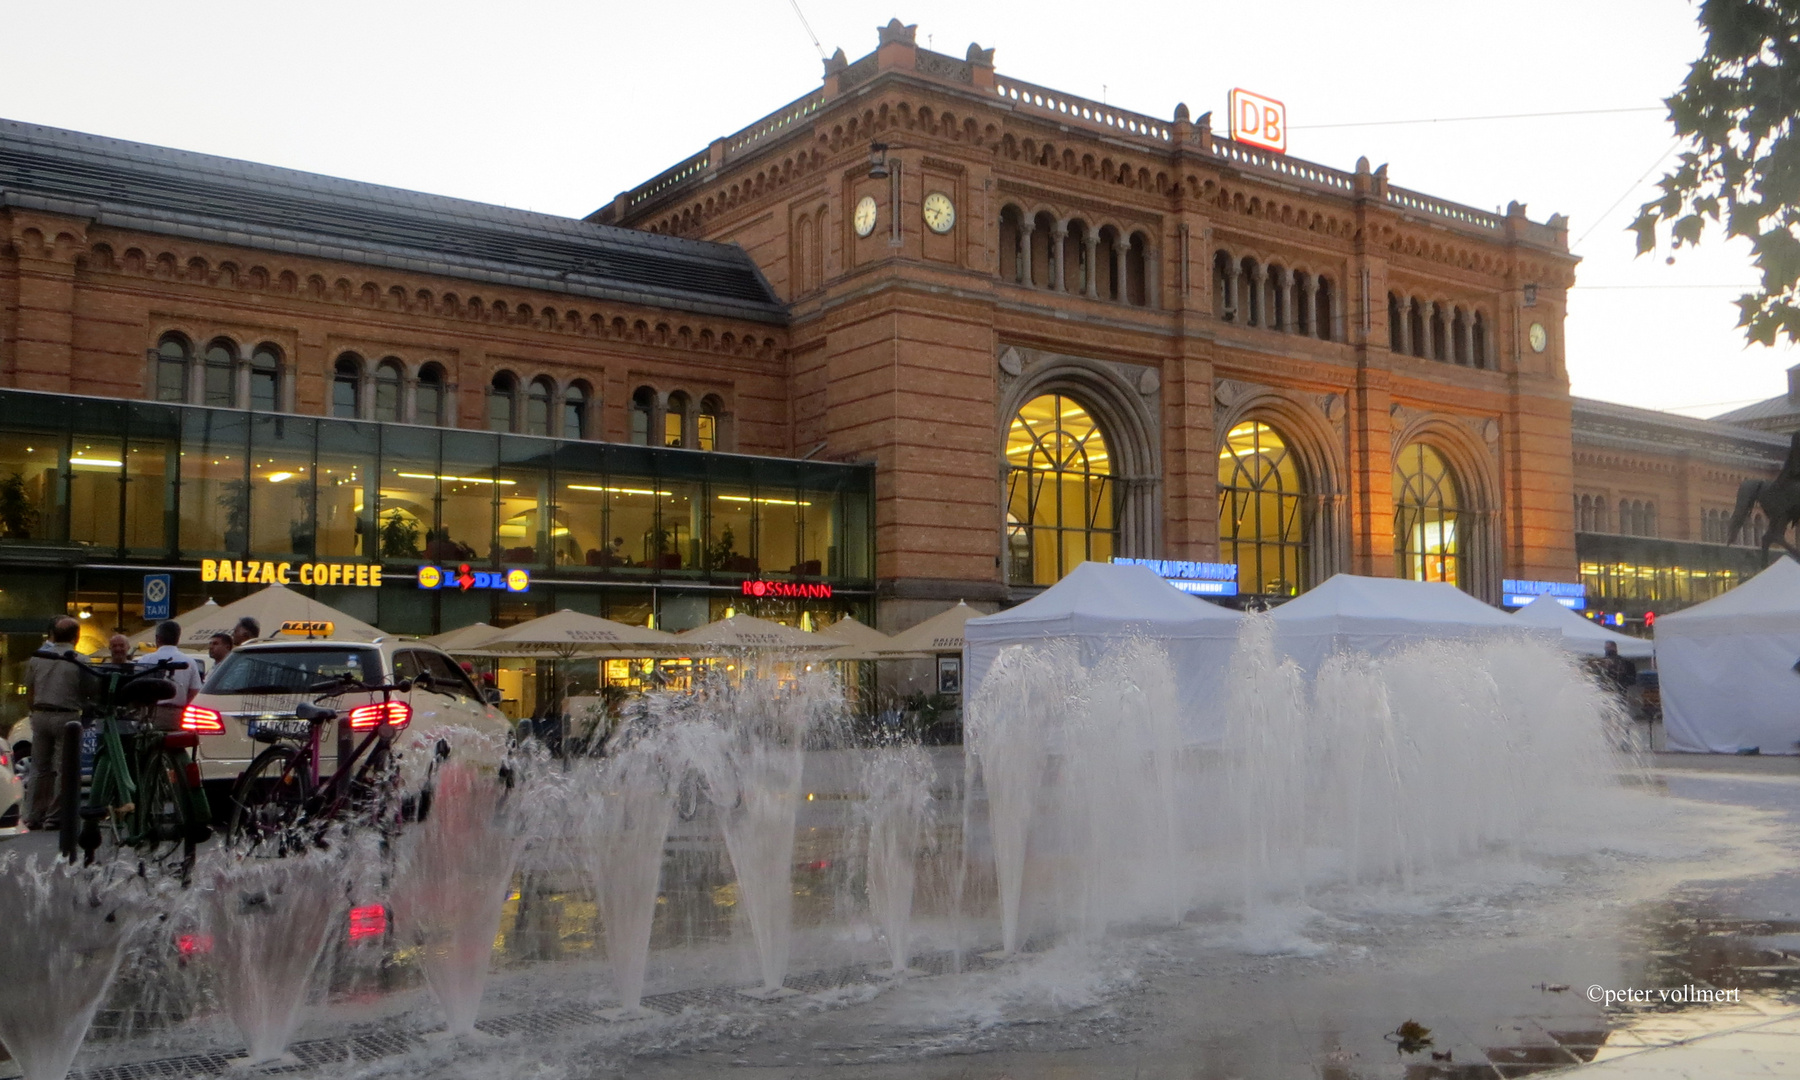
(278, 477)
(617, 490)
(96, 463)
(457, 479)
(775, 502)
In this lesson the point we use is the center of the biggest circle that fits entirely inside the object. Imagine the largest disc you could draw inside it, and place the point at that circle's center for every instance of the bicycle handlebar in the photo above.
(95, 669)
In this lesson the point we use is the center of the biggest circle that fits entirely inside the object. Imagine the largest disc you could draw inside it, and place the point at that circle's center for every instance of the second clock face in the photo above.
(1539, 338)
(866, 213)
(940, 212)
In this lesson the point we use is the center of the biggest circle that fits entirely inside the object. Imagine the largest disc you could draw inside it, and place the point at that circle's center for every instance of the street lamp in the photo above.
(878, 164)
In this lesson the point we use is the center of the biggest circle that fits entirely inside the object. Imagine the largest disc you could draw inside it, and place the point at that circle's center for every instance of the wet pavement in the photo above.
(1497, 974)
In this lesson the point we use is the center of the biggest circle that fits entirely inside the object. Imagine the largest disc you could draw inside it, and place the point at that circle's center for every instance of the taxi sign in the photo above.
(308, 627)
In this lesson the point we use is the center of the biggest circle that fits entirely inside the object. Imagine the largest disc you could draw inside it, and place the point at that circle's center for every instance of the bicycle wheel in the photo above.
(163, 824)
(268, 805)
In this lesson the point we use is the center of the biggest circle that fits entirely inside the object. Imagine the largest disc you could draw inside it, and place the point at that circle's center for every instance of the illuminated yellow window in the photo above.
(1059, 491)
(706, 431)
(1426, 508)
(1262, 511)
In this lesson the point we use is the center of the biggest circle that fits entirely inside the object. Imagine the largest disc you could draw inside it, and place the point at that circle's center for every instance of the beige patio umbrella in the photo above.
(572, 633)
(858, 641)
(274, 608)
(740, 632)
(464, 638)
(942, 633)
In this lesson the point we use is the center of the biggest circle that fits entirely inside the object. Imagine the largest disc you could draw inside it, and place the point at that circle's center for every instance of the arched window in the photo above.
(1396, 324)
(675, 420)
(265, 379)
(346, 387)
(1262, 511)
(1303, 311)
(537, 406)
(1280, 302)
(429, 397)
(1010, 262)
(1038, 250)
(1224, 282)
(1415, 328)
(1459, 337)
(1627, 517)
(388, 380)
(706, 424)
(1059, 491)
(575, 411)
(1426, 508)
(1324, 321)
(1478, 351)
(173, 359)
(1137, 272)
(220, 380)
(1438, 333)
(1250, 302)
(643, 409)
(503, 402)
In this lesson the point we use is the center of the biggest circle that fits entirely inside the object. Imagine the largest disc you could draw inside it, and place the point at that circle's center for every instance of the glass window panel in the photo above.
(631, 518)
(428, 398)
(525, 529)
(1262, 510)
(818, 532)
(672, 421)
(731, 526)
(408, 493)
(574, 421)
(502, 401)
(1059, 496)
(680, 524)
(150, 461)
(345, 476)
(537, 409)
(706, 431)
(172, 359)
(30, 486)
(346, 388)
(466, 491)
(283, 517)
(215, 491)
(1426, 509)
(265, 380)
(387, 392)
(221, 375)
(581, 509)
(96, 467)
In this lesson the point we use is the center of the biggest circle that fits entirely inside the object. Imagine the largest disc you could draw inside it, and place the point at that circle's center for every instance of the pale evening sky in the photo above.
(556, 106)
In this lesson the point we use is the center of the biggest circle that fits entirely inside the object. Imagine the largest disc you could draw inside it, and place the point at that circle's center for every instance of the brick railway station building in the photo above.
(927, 333)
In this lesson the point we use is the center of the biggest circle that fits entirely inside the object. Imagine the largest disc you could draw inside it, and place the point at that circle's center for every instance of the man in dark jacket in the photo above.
(54, 689)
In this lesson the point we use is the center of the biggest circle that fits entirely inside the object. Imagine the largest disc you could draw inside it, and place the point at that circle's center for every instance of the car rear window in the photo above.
(291, 671)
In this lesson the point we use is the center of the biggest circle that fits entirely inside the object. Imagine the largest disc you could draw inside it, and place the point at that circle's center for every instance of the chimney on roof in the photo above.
(1794, 385)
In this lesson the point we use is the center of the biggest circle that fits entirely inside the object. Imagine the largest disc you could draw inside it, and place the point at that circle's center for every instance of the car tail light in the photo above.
(193, 944)
(396, 713)
(203, 720)
(367, 921)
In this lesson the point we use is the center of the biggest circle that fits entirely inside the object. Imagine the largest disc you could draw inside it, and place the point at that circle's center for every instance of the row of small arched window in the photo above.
(1272, 296)
(1637, 517)
(1069, 255)
(1436, 331)
(675, 420)
(223, 375)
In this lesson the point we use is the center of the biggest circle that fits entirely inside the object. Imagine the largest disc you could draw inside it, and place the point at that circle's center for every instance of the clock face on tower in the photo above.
(866, 213)
(1540, 339)
(940, 212)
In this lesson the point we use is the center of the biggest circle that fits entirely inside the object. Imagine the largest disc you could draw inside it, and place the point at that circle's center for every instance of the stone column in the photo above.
(1092, 286)
(1232, 274)
(1058, 233)
(1427, 311)
(1259, 294)
(1284, 305)
(1403, 332)
(1026, 225)
(1464, 354)
(1152, 277)
(1120, 267)
(1306, 322)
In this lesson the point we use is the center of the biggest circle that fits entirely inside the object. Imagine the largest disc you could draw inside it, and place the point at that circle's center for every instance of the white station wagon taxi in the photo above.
(258, 686)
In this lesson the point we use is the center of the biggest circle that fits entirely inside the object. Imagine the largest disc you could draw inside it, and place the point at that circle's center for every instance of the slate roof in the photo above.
(1625, 427)
(179, 193)
(1770, 410)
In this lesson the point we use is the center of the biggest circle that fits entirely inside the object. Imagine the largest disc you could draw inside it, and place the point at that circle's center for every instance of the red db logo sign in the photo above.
(1259, 121)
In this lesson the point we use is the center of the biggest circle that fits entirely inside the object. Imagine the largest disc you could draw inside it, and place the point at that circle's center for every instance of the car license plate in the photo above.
(287, 729)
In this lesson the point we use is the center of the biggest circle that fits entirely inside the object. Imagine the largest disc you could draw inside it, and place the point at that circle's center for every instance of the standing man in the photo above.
(53, 687)
(119, 649)
(247, 629)
(219, 648)
(186, 679)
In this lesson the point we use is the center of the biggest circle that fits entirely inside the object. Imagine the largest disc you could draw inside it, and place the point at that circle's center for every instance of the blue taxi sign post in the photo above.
(158, 596)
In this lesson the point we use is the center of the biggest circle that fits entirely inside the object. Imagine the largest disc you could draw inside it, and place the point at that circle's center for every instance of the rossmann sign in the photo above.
(796, 590)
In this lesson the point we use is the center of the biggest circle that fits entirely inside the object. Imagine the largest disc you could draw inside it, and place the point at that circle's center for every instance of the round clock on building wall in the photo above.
(940, 212)
(1538, 336)
(866, 213)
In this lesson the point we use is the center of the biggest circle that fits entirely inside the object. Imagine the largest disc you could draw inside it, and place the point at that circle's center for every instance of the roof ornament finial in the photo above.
(1181, 113)
(896, 34)
(979, 56)
(836, 62)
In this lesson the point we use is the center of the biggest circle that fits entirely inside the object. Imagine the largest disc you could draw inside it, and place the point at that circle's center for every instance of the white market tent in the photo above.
(1374, 615)
(942, 633)
(1582, 636)
(270, 607)
(1728, 678)
(1099, 604)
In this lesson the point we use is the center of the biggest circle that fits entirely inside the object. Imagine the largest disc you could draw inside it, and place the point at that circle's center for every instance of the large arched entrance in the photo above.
(1263, 511)
(1061, 498)
(1429, 544)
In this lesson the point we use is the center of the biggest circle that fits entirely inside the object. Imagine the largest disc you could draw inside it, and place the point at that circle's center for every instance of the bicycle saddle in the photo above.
(312, 713)
(146, 691)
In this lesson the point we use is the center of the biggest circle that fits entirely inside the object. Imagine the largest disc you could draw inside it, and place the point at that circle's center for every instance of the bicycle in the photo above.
(282, 805)
(145, 783)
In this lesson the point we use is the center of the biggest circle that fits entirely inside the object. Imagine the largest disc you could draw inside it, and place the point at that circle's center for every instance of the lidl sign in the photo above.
(463, 578)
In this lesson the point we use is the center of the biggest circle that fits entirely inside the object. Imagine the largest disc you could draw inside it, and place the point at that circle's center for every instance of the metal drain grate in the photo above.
(369, 1044)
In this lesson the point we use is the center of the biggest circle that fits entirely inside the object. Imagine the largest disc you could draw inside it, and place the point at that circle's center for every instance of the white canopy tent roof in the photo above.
(568, 633)
(1580, 635)
(1368, 614)
(942, 633)
(739, 632)
(1727, 667)
(855, 640)
(1101, 603)
(270, 607)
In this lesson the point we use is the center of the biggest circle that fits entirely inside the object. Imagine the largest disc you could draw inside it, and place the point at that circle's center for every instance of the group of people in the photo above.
(57, 690)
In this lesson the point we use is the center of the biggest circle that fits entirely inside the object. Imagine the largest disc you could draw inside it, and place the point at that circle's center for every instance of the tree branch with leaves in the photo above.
(1741, 170)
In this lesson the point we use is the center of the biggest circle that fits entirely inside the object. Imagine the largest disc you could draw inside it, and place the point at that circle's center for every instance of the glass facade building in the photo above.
(94, 492)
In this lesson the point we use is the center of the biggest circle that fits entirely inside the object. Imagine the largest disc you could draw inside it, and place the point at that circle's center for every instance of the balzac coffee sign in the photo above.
(255, 572)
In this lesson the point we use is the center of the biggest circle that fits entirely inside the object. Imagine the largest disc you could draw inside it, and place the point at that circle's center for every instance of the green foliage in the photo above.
(18, 514)
(399, 537)
(720, 553)
(1741, 170)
